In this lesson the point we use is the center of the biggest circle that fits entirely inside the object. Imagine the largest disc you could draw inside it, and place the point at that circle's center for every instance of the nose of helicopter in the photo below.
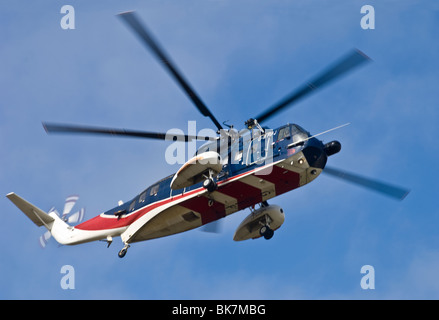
(315, 154)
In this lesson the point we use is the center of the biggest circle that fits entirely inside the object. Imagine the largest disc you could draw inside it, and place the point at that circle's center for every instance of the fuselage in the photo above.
(287, 158)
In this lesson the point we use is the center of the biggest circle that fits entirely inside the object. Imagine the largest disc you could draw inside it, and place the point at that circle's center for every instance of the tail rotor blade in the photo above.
(372, 184)
(70, 202)
(76, 217)
(53, 210)
(44, 239)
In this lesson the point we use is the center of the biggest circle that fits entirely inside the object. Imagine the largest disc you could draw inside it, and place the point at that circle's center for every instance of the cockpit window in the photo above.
(283, 133)
(298, 129)
(299, 134)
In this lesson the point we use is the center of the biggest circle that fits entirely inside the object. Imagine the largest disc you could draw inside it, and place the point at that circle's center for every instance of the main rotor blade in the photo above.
(133, 21)
(382, 187)
(76, 129)
(341, 67)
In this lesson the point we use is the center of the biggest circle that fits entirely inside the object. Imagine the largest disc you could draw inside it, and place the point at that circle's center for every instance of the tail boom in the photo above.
(60, 230)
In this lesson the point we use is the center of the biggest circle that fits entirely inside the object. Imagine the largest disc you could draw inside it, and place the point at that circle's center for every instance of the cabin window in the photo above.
(142, 197)
(132, 204)
(283, 133)
(154, 190)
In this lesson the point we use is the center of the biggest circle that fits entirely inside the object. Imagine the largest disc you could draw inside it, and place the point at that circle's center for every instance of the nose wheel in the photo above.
(209, 184)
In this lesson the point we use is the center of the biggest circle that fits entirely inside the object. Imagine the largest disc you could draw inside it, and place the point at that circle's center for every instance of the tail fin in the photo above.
(38, 216)
(59, 229)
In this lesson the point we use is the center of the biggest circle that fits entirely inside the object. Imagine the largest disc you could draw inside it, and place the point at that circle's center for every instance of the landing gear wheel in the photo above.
(266, 232)
(123, 252)
(209, 185)
(269, 234)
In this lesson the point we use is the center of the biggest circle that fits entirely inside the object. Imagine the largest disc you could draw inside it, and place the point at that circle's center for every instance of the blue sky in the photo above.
(241, 56)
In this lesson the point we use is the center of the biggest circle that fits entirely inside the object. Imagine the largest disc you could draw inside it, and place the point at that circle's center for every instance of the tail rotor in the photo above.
(76, 217)
(73, 218)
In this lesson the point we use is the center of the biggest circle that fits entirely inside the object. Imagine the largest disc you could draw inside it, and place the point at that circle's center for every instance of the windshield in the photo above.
(298, 133)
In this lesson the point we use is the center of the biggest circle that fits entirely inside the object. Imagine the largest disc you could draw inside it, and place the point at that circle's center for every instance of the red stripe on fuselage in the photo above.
(245, 194)
(110, 222)
(210, 210)
(284, 180)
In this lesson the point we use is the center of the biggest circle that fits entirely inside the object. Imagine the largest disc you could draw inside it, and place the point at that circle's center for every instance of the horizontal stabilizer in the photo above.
(38, 216)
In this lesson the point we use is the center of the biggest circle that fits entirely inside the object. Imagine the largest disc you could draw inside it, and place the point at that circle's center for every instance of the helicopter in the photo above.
(234, 170)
